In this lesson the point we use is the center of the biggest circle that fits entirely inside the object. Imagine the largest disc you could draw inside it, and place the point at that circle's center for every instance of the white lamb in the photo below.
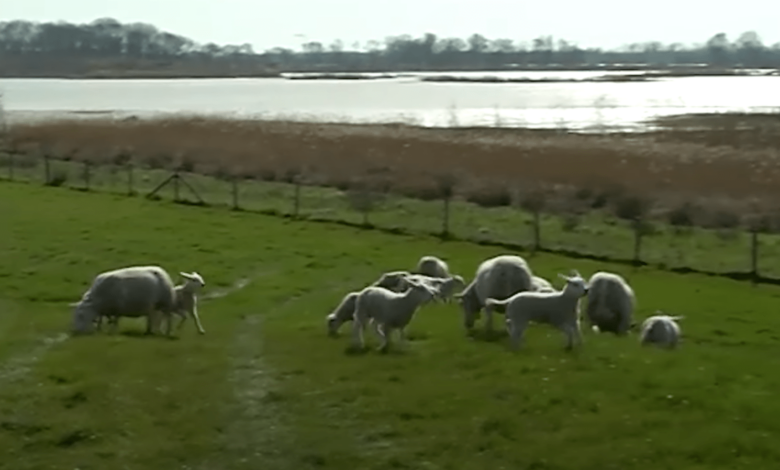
(135, 291)
(558, 309)
(433, 267)
(187, 300)
(541, 284)
(497, 278)
(387, 311)
(610, 304)
(661, 330)
(342, 314)
(445, 287)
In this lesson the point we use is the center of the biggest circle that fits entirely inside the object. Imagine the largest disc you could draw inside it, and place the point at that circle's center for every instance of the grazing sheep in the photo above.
(661, 330)
(445, 287)
(433, 267)
(497, 278)
(135, 291)
(388, 311)
(610, 304)
(541, 284)
(392, 280)
(558, 309)
(187, 300)
(342, 314)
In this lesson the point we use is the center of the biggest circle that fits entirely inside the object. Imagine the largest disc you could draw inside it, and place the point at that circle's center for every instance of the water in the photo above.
(581, 106)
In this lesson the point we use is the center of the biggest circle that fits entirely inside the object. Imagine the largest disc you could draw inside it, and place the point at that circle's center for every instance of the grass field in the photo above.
(266, 388)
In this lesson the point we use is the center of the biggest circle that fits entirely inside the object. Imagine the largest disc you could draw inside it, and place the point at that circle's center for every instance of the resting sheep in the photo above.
(342, 314)
(135, 291)
(541, 284)
(497, 278)
(610, 304)
(558, 309)
(387, 311)
(661, 330)
(433, 267)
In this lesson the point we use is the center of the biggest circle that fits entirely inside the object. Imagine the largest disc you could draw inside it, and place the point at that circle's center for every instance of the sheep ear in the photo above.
(187, 276)
(576, 273)
(73, 304)
(678, 317)
(563, 276)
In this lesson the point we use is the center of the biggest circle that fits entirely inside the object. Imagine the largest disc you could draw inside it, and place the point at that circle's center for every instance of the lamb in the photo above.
(610, 304)
(387, 311)
(541, 284)
(135, 291)
(558, 309)
(497, 278)
(661, 330)
(342, 314)
(187, 300)
(433, 267)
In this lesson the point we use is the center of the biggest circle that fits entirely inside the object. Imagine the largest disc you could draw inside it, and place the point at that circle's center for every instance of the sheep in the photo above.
(433, 267)
(610, 304)
(392, 280)
(541, 284)
(187, 300)
(558, 309)
(499, 278)
(135, 291)
(387, 311)
(661, 330)
(445, 287)
(342, 314)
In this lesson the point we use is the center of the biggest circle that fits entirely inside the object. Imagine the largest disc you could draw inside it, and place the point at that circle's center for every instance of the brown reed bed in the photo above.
(676, 167)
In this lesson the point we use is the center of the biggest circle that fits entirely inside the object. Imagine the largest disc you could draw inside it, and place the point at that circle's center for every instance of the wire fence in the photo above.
(735, 253)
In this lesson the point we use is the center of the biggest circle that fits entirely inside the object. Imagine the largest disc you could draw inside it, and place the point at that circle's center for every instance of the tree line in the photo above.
(108, 47)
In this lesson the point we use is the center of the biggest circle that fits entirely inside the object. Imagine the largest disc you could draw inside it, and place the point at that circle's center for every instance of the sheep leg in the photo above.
(402, 337)
(516, 331)
(194, 313)
(384, 334)
(488, 322)
(357, 333)
(572, 336)
(113, 324)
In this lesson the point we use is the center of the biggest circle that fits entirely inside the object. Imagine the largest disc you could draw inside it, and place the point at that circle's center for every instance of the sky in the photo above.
(289, 23)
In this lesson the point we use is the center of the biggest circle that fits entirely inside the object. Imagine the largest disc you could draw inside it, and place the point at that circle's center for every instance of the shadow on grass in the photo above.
(143, 334)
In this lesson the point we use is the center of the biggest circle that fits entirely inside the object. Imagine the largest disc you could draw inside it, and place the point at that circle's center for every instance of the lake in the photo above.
(582, 106)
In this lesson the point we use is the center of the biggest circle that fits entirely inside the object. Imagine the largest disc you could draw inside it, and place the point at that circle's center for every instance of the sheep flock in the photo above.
(503, 285)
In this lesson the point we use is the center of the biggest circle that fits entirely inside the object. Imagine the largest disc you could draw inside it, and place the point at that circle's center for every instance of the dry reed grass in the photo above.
(673, 167)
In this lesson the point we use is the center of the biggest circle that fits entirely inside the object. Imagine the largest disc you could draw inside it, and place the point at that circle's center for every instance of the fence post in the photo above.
(235, 193)
(537, 230)
(754, 255)
(86, 175)
(638, 228)
(176, 186)
(11, 164)
(130, 191)
(445, 223)
(46, 169)
(297, 196)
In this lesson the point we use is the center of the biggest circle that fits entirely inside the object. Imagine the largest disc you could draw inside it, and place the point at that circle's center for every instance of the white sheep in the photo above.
(342, 313)
(135, 291)
(558, 309)
(445, 287)
(661, 330)
(387, 311)
(433, 267)
(610, 304)
(541, 284)
(187, 300)
(392, 280)
(497, 278)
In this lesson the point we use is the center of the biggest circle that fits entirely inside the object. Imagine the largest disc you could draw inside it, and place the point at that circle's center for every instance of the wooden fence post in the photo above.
(754, 255)
(235, 193)
(297, 196)
(46, 169)
(537, 230)
(445, 223)
(176, 186)
(130, 191)
(638, 229)
(11, 164)
(86, 175)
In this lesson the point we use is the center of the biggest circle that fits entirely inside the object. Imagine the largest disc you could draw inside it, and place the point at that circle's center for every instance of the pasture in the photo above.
(266, 388)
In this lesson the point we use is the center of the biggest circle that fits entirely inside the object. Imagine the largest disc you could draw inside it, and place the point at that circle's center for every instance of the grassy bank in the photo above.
(266, 388)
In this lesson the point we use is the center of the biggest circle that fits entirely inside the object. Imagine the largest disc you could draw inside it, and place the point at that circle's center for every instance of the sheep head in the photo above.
(575, 284)
(193, 278)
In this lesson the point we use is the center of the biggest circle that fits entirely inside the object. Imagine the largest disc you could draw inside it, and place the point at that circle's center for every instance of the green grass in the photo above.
(593, 234)
(266, 388)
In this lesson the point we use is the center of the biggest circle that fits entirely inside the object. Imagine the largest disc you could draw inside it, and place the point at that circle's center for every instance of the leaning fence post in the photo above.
(297, 196)
(638, 228)
(537, 230)
(176, 186)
